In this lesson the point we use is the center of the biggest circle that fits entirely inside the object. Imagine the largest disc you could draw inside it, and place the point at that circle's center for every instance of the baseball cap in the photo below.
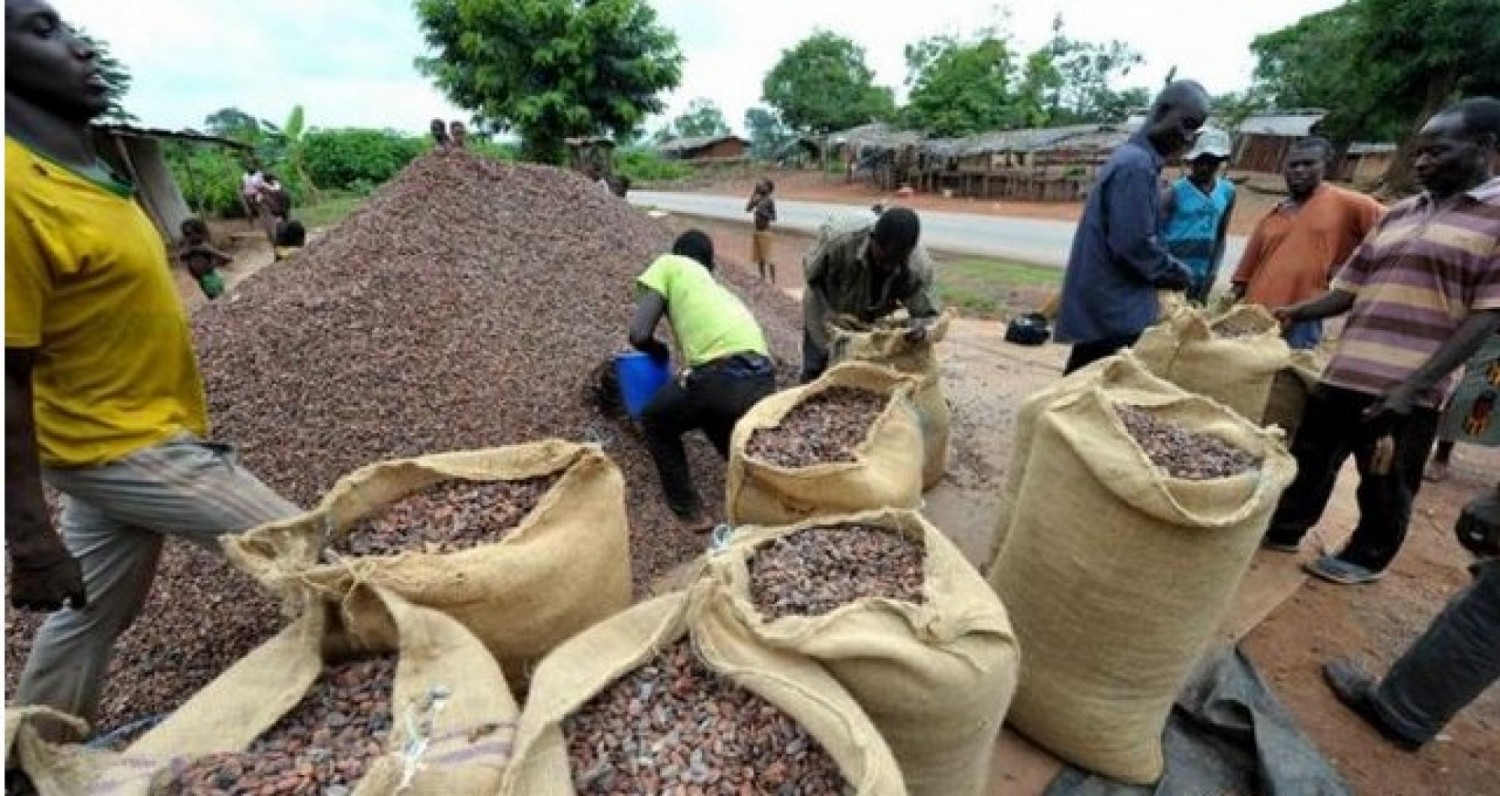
(1211, 141)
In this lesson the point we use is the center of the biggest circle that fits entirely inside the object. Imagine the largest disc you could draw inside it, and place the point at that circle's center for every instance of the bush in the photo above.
(209, 178)
(644, 165)
(339, 159)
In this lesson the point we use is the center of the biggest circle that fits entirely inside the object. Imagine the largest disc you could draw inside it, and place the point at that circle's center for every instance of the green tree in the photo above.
(116, 75)
(823, 84)
(1040, 80)
(960, 86)
(1383, 67)
(233, 123)
(767, 133)
(702, 118)
(1080, 79)
(347, 158)
(286, 146)
(550, 69)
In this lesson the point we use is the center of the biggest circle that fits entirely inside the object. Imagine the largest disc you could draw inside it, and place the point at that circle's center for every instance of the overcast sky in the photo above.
(349, 62)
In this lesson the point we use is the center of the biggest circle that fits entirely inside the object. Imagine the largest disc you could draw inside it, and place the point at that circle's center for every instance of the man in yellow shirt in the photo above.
(727, 365)
(103, 399)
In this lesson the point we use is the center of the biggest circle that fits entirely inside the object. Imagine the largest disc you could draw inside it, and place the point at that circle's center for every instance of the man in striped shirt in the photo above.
(1422, 293)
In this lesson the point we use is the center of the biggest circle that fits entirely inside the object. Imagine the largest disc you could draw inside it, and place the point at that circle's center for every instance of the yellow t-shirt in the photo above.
(88, 286)
(708, 321)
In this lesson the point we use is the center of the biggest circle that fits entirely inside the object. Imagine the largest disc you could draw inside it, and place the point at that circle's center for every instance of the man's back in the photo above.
(708, 321)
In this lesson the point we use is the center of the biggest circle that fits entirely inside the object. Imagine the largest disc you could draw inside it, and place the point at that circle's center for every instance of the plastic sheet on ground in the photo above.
(1228, 734)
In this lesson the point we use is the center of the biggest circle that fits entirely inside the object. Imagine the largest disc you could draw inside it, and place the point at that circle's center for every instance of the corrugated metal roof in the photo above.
(1371, 149)
(1286, 124)
(131, 131)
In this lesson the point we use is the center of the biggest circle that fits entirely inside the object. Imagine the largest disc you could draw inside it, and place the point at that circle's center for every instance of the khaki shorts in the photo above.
(760, 246)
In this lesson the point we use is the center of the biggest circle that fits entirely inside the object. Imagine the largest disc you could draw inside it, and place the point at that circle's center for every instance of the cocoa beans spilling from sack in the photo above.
(817, 570)
(825, 428)
(445, 517)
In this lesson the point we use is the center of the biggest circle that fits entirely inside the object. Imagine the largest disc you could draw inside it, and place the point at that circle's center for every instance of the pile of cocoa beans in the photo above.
(322, 748)
(825, 428)
(446, 517)
(1237, 329)
(674, 726)
(464, 306)
(816, 570)
(1181, 452)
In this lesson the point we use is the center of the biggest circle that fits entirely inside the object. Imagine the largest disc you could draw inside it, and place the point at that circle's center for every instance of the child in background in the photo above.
(764, 208)
(201, 259)
(290, 237)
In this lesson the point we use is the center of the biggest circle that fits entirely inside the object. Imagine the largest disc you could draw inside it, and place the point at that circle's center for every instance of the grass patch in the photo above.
(993, 289)
(333, 207)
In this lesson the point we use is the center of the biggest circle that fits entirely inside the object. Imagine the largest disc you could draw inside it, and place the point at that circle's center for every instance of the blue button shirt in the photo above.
(1117, 258)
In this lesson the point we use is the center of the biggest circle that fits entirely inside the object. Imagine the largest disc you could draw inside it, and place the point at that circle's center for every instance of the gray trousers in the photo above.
(114, 518)
(1450, 665)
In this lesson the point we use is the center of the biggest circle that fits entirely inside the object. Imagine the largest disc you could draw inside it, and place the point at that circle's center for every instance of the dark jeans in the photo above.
(714, 398)
(1450, 665)
(814, 359)
(1332, 429)
(1085, 354)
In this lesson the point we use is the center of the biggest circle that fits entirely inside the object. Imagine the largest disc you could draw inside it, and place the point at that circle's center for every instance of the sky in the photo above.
(350, 62)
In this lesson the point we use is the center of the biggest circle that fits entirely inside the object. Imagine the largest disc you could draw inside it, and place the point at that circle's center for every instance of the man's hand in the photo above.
(1395, 405)
(46, 579)
(1237, 292)
(1179, 278)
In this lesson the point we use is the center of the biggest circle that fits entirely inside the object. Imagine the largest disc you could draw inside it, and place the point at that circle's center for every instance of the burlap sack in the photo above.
(887, 345)
(1289, 392)
(887, 471)
(463, 747)
(565, 567)
(1116, 575)
(935, 678)
(1188, 350)
(585, 665)
(1120, 370)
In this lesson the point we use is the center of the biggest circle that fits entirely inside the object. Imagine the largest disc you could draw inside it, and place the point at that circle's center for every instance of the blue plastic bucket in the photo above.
(640, 377)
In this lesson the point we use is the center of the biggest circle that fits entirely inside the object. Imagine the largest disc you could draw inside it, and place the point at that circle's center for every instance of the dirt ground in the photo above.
(1253, 199)
(1288, 624)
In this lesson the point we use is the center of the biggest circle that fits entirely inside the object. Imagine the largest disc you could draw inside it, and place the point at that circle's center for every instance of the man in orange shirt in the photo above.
(1295, 249)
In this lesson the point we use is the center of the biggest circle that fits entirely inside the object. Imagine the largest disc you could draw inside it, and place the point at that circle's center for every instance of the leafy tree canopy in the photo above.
(823, 84)
(961, 86)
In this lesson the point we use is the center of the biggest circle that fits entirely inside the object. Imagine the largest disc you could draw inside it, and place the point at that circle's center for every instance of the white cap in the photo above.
(1211, 141)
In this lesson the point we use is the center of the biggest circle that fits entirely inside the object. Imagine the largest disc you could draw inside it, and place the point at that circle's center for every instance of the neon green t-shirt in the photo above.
(708, 320)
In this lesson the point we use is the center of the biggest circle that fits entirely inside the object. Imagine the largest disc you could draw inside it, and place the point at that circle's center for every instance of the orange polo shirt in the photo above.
(1295, 251)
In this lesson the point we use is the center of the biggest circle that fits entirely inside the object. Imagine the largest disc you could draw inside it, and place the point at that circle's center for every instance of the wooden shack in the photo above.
(1262, 141)
(706, 148)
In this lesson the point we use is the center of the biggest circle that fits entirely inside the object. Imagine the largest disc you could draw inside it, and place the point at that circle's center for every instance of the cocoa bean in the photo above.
(825, 428)
(295, 756)
(817, 570)
(1181, 452)
(446, 517)
(702, 734)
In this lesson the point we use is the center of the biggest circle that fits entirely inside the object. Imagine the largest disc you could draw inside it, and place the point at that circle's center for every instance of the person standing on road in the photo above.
(103, 400)
(1118, 261)
(866, 270)
(1453, 661)
(728, 369)
(764, 207)
(1423, 294)
(1294, 250)
(1196, 210)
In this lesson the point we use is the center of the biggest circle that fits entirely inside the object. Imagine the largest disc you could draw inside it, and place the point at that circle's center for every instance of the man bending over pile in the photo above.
(102, 395)
(865, 270)
(728, 366)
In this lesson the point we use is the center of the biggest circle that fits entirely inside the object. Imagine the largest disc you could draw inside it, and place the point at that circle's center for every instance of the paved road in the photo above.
(1028, 240)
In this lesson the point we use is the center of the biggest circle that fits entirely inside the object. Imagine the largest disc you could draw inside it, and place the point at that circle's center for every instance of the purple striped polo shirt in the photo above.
(1415, 278)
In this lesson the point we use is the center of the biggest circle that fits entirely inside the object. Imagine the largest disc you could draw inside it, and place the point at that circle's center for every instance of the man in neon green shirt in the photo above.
(727, 365)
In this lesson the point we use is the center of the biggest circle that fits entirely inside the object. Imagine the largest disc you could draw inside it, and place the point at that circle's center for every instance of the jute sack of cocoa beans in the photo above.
(1289, 392)
(887, 345)
(401, 699)
(899, 617)
(1138, 514)
(1232, 358)
(848, 442)
(664, 698)
(526, 545)
(1121, 370)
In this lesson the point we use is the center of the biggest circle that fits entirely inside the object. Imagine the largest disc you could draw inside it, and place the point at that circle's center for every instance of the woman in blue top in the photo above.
(1196, 210)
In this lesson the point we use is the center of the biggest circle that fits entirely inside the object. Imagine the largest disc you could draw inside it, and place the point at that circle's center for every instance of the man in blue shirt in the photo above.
(1118, 262)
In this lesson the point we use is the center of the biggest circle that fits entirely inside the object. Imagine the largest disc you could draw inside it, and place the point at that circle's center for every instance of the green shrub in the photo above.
(338, 159)
(644, 165)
